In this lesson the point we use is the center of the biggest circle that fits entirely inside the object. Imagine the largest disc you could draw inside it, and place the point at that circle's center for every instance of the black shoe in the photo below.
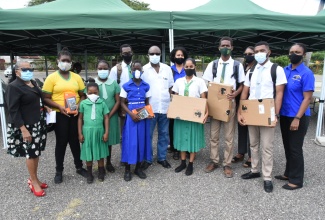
(127, 175)
(176, 155)
(287, 187)
(250, 175)
(281, 177)
(90, 179)
(145, 165)
(268, 186)
(101, 174)
(140, 173)
(180, 167)
(109, 167)
(82, 172)
(164, 163)
(58, 178)
(189, 170)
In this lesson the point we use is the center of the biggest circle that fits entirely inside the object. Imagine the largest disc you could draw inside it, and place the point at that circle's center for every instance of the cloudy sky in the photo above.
(305, 7)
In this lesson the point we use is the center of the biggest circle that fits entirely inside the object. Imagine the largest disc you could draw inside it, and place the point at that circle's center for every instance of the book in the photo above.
(144, 112)
(70, 102)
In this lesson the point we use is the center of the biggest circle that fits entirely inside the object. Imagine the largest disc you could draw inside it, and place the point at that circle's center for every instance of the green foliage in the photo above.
(137, 5)
(281, 60)
(38, 2)
(317, 56)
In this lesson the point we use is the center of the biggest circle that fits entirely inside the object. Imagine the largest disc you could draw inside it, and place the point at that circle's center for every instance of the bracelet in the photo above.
(297, 118)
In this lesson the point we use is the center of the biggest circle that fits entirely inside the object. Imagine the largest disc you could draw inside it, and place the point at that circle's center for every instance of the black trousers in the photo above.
(243, 140)
(171, 135)
(66, 131)
(293, 142)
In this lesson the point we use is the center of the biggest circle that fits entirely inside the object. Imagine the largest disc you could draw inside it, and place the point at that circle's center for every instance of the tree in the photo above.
(134, 4)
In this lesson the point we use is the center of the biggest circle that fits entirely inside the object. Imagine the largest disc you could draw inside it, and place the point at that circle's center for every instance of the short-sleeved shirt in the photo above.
(56, 85)
(160, 83)
(125, 75)
(266, 81)
(177, 75)
(300, 80)
(134, 92)
(196, 88)
(101, 110)
(229, 72)
(112, 88)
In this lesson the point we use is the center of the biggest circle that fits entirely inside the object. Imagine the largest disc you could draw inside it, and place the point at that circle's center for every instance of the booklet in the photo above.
(144, 112)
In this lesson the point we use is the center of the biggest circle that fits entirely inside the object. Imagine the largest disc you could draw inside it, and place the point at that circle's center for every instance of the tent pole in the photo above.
(111, 62)
(3, 118)
(58, 47)
(11, 59)
(46, 69)
(321, 106)
(163, 52)
(86, 64)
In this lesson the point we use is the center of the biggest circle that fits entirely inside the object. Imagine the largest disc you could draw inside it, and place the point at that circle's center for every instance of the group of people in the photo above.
(105, 115)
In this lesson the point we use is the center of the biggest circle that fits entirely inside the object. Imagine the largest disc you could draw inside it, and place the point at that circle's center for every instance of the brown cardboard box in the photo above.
(187, 108)
(258, 112)
(219, 105)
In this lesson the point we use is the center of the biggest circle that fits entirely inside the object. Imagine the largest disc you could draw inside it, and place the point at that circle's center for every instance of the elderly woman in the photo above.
(27, 123)
(66, 127)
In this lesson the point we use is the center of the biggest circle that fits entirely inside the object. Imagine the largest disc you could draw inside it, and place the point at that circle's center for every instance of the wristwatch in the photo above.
(297, 117)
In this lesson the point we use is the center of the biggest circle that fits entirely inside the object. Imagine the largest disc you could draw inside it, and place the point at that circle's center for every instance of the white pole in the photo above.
(3, 118)
(321, 106)
(163, 53)
(86, 64)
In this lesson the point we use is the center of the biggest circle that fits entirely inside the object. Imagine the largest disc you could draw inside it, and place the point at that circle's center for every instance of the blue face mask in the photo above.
(103, 74)
(26, 75)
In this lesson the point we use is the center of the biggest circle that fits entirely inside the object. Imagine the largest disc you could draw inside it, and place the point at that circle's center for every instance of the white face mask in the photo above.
(154, 59)
(64, 66)
(260, 57)
(93, 97)
(137, 74)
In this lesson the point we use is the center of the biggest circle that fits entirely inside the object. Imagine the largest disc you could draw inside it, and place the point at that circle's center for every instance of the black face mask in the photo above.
(294, 58)
(127, 58)
(249, 58)
(179, 60)
(190, 72)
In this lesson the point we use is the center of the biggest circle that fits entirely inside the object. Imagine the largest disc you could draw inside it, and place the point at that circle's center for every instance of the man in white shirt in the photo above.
(231, 72)
(261, 85)
(160, 78)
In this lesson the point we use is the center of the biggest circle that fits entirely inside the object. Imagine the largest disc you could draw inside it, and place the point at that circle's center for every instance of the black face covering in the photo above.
(127, 58)
(249, 58)
(294, 58)
(179, 60)
(190, 72)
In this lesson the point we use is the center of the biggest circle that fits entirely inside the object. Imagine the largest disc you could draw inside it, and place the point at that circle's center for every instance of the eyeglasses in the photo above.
(248, 54)
(27, 69)
(157, 54)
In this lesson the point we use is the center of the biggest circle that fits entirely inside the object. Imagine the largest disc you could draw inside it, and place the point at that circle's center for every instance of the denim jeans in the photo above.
(163, 135)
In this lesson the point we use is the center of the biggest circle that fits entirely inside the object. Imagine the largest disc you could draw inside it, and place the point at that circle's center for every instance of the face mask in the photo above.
(249, 58)
(179, 60)
(26, 75)
(136, 74)
(260, 57)
(154, 59)
(64, 66)
(93, 97)
(190, 72)
(225, 51)
(127, 58)
(103, 74)
(294, 58)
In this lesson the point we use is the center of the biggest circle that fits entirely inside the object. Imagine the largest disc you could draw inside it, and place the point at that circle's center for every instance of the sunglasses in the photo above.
(249, 54)
(157, 54)
(27, 69)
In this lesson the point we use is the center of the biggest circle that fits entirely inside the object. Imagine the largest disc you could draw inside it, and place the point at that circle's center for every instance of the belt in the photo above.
(134, 103)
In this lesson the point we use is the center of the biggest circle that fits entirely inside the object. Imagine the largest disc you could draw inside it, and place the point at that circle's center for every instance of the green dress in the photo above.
(93, 148)
(112, 88)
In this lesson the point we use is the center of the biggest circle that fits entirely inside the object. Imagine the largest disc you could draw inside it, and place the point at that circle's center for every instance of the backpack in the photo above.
(273, 76)
(119, 72)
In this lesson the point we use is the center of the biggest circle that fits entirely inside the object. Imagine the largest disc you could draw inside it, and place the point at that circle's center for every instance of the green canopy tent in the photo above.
(99, 27)
(200, 29)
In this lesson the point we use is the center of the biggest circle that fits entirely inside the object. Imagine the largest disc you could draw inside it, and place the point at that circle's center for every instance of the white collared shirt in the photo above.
(196, 88)
(124, 75)
(208, 74)
(266, 81)
(160, 83)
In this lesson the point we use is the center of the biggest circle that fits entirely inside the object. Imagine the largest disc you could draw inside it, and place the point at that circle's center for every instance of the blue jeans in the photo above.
(163, 135)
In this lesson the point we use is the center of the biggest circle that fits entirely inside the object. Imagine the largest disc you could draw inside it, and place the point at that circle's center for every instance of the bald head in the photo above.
(154, 49)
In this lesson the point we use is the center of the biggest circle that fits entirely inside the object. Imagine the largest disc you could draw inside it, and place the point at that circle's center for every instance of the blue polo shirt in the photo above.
(177, 74)
(300, 80)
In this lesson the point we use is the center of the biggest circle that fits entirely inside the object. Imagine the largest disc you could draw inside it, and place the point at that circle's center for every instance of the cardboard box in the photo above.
(144, 112)
(187, 108)
(219, 105)
(258, 112)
